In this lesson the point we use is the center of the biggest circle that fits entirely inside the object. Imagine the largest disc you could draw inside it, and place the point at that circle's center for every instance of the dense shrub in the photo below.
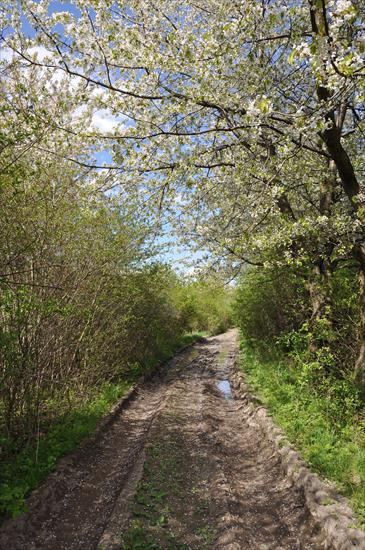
(81, 301)
(269, 303)
(205, 305)
(273, 309)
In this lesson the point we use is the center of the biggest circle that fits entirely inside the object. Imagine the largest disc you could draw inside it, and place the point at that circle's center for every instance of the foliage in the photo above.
(205, 305)
(246, 131)
(309, 390)
(239, 125)
(235, 121)
(269, 303)
(83, 304)
(273, 310)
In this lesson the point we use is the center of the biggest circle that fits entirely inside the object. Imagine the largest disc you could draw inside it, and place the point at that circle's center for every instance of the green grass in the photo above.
(322, 417)
(23, 471)
(27, 469)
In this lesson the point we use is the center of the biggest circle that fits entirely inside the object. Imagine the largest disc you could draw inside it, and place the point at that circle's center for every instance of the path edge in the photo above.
(56, 480)
(330, 511)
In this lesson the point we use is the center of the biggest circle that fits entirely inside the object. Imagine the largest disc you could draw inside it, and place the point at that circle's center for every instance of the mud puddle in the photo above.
(224, 387)
(179, 468)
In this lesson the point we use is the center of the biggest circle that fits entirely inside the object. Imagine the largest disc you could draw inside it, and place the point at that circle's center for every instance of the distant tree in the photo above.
(253, 112)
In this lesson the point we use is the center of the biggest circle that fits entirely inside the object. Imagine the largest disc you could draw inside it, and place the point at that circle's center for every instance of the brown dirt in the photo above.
(180, 467)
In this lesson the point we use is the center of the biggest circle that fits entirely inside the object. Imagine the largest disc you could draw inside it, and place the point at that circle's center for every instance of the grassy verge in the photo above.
(25, 470)
(322, 417)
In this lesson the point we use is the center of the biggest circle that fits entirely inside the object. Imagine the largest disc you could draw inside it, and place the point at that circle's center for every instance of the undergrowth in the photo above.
(322, 417)
(23, 471)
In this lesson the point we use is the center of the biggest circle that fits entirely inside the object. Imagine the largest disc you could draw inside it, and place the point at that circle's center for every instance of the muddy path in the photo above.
(179, 468)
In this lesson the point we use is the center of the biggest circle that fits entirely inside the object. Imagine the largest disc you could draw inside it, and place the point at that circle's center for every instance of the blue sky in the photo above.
(180, 257)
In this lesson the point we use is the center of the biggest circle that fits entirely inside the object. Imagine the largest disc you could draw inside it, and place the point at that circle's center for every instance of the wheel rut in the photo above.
(179, 468)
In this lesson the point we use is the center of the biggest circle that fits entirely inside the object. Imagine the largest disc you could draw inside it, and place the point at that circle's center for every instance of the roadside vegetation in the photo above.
(306, 384)
(235, 127)
(84, 311)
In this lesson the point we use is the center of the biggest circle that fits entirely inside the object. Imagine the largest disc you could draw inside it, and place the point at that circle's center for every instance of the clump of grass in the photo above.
(138, 538)
(206, 534)
(322, 417)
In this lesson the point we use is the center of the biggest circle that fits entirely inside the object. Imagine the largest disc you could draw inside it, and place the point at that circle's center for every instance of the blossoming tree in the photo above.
(246, 115)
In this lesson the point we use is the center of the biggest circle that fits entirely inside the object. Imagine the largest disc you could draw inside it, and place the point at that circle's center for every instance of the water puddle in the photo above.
(225, 387)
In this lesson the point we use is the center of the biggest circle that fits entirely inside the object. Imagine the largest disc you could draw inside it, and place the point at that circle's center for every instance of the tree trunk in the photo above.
(319, 287)
(320, 282)
(332, 139)
(360, 361)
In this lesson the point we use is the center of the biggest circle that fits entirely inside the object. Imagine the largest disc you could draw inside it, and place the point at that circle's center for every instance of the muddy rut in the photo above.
(180, 467)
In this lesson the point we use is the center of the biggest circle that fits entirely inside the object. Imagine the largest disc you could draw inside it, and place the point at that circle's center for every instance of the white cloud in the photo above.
(104, 121)
(6, 54)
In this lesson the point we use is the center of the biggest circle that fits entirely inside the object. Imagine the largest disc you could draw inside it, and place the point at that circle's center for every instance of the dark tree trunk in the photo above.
(320, 281)
(360, 361)
(319, 287)
(350, 184)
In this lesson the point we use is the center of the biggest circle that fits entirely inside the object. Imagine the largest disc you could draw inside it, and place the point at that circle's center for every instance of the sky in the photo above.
(181, 258)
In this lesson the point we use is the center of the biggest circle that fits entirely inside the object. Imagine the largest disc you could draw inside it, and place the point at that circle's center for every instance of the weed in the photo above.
(327, 501)
(207, 534)
(136, 538)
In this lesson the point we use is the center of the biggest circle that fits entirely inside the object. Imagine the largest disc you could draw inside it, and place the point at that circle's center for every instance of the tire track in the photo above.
(223, 484)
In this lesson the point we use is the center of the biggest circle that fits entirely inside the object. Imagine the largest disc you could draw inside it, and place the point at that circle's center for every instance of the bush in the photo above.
(270, 303)
(273, 308)
(205, 305)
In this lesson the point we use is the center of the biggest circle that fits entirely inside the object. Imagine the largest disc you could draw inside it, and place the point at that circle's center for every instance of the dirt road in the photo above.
(179, 468)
